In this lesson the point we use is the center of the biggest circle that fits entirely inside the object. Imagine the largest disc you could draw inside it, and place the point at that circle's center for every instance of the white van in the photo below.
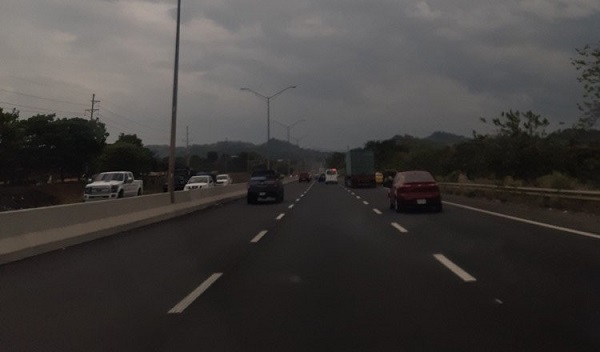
(331, 176)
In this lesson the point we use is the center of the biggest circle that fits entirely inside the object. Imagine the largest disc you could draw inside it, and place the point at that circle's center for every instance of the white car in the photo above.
(331, 176)
(224, 180)
(198, 182)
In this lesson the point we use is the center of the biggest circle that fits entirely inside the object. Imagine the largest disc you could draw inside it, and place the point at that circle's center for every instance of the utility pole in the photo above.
(187, 145)
(92, 109)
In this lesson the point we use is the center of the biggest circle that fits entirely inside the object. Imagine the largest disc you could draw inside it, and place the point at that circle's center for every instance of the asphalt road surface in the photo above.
(329, 269)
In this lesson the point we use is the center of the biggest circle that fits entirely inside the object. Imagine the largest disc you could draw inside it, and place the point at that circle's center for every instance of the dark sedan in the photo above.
(265, 184)
(304, 177)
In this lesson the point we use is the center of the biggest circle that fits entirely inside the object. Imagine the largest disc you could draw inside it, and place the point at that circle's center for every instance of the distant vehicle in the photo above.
(224, 180)
(378, 177)
(305, 177)
(360, 168)
(322, 178)
(414, 189)
(113, 184)
(180, 179)
(207, 173)
(331, 176)
(265, 184)
(199, 182)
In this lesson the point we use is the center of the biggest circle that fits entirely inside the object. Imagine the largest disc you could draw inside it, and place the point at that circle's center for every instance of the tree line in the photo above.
(43, 147)
(519, 151)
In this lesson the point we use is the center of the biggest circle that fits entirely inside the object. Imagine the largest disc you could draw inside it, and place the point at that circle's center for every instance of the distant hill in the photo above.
(445, 138)
(276, 149)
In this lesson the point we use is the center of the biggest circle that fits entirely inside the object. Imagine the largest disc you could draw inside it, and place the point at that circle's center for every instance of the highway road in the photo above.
(328, 269)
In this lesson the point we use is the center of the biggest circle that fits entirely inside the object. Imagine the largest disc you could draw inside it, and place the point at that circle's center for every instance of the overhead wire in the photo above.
(42, 98)
(116, 124)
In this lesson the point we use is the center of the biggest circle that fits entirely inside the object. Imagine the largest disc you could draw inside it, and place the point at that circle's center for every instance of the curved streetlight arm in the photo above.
(264, 96)
(281, 91)
(256, 93)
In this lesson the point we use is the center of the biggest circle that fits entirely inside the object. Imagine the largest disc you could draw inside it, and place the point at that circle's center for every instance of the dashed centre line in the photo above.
(189, 299)
(454, 268)
(377, 211)
(291, 206)
(280, 216)
(365, 202)
(399, 228)
(259, 236)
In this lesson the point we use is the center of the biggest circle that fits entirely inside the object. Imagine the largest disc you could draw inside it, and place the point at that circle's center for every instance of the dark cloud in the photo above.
(364, 70)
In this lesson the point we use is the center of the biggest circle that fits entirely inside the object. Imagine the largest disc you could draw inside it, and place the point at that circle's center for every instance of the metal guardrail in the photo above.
(531, 191)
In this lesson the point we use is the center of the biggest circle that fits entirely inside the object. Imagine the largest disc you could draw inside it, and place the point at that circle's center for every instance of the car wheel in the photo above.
(120, 195)
(139, 192)
(392, 204)
(438, 208)
(398, 206)
(251, 199)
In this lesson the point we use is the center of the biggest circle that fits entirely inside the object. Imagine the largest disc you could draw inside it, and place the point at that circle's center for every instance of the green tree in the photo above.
(79, 142)
(128, 153)
(11, 142)
(517, 148)
(588, 64)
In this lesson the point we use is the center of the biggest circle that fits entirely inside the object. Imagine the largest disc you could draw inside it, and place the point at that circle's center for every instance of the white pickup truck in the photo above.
(113, 184)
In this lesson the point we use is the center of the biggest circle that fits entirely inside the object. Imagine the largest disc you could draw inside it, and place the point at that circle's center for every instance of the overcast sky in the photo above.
(364, 70)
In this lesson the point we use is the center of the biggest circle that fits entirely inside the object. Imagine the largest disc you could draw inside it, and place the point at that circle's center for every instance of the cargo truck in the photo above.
(360, 168)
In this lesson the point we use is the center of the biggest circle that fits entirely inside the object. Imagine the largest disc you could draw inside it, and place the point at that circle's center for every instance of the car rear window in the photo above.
(417, 176)
(331, 172)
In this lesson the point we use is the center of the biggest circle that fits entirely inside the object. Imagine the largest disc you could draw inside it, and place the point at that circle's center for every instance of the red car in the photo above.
(414, 189)
(304, 177)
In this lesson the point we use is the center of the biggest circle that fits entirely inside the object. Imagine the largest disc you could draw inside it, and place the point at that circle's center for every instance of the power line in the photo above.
(42, 98)
(132, 121)
(38, 109)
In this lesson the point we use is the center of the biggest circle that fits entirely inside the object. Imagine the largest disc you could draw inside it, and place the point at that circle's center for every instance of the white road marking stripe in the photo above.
(259, 236)
(365, 202)
(297, 200)
(280, 216)
(357, 197)
(576, 232)
(454, 268)
(399, 228)
(291, 206)
(181, 306)
(376, 211)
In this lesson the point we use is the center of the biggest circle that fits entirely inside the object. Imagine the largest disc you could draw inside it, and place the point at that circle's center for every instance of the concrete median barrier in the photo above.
(29, 232)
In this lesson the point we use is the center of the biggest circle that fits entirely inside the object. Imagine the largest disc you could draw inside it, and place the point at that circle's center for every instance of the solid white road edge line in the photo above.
(280, 216)
(376, 211)
(259, 236)
(399, 228)
(454, 268)
(181, 306)
(576, 232)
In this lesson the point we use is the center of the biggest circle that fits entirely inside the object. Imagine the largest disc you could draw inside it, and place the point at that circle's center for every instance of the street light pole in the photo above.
(171, 176)
(268, 100)
(289, 127)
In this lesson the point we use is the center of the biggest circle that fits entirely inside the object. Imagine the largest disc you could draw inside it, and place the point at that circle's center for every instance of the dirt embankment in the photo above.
(25, 197)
